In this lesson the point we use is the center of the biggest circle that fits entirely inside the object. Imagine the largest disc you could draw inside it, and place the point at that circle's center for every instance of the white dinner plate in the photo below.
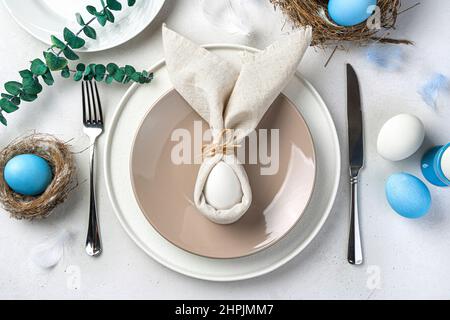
(120, 136)
(43, 18)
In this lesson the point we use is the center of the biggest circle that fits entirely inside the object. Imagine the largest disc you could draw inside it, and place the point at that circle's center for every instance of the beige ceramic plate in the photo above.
(164, 190)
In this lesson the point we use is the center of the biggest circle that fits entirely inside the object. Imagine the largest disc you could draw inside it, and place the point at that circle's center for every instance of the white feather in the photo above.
(48, 253)
(228, 15)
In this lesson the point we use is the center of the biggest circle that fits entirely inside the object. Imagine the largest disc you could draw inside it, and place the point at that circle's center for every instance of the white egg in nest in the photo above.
(223, 189)
(400, 137)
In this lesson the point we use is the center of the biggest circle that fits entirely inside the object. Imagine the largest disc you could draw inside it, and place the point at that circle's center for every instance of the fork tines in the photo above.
(92, 107)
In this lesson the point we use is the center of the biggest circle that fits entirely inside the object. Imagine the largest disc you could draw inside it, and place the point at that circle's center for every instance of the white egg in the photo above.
(445, 163)
(223, 189)
(400, 137)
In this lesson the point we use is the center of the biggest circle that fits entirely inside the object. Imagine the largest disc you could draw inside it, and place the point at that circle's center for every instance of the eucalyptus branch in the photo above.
(30, 87)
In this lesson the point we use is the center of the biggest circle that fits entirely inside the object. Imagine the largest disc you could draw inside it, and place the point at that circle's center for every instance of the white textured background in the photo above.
(413, 257)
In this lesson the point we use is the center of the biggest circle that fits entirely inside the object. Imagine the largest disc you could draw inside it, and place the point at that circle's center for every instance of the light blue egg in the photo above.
(28, 174)
(408, 195)
(349, 13)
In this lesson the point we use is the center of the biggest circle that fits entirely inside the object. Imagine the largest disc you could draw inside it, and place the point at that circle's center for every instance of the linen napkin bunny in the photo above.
(231, 101)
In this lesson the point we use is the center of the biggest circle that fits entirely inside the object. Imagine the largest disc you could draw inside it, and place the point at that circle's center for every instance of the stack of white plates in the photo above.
(150, 112)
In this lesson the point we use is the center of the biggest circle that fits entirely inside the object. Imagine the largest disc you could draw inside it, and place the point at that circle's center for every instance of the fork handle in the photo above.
(93, 242)
(355, 255)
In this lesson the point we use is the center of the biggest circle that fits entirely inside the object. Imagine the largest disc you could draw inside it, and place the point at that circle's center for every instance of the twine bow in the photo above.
(225, 145)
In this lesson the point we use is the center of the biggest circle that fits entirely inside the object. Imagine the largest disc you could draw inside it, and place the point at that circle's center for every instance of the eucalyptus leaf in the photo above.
(7, 105)
(119, 75)
(3, 120)
(109, 16)
(114, 5)
(131, 3)
(38, 67)
(92, 10)
(90, 32)
(136, 76)
(112, 68)
(54, 62)
(81, 67)
(109, 79)
(48, 78)
(73, 40)
(26, 74)
(28, 97)
(31, 86)
(88, 77)
(58, 43)
(90, 70)
(13, 87)
(16, 101)
(7, 96)
(78, 76)
(70, 54)
(13, 99)
(100, 71)
(129, 70)
(65, 73)
(80, 19)
(101, 18)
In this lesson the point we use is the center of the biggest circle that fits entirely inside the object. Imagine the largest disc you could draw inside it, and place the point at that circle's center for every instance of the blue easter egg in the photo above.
(28, 174)
(408, 195)
(349, 13)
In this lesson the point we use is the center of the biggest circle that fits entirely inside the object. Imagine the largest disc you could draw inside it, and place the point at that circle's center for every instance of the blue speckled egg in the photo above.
(28, 174)
(349, 13)
(408, 195)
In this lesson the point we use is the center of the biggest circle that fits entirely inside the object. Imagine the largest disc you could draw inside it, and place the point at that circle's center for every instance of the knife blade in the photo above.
(356, 162)
(355, 121)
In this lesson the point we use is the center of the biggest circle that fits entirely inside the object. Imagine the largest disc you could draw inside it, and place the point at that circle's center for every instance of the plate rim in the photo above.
(47, 41)
(107, 153)
(300, 215)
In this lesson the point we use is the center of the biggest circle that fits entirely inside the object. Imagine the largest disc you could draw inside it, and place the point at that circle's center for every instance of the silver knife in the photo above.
(356, 157)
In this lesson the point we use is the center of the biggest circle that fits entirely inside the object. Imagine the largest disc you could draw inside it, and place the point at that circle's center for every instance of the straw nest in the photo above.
(325, 32)
(59, 157)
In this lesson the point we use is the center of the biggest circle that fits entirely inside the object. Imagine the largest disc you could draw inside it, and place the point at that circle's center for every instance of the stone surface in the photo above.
(402, 254)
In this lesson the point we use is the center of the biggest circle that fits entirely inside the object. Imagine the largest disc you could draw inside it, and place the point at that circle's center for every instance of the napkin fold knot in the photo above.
(225, 144)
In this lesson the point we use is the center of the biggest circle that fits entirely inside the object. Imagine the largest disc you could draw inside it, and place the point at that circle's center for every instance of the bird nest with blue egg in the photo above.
(375, 27)
(62, 165)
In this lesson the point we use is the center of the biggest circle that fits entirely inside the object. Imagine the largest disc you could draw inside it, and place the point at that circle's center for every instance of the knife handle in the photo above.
(355, 255)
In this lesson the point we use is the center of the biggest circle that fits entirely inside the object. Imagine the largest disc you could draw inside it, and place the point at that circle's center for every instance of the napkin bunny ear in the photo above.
(203, 79)
(263, 76)
(206, 81)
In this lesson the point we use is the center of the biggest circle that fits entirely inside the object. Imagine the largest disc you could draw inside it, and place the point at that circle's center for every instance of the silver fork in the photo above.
(93, 128)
